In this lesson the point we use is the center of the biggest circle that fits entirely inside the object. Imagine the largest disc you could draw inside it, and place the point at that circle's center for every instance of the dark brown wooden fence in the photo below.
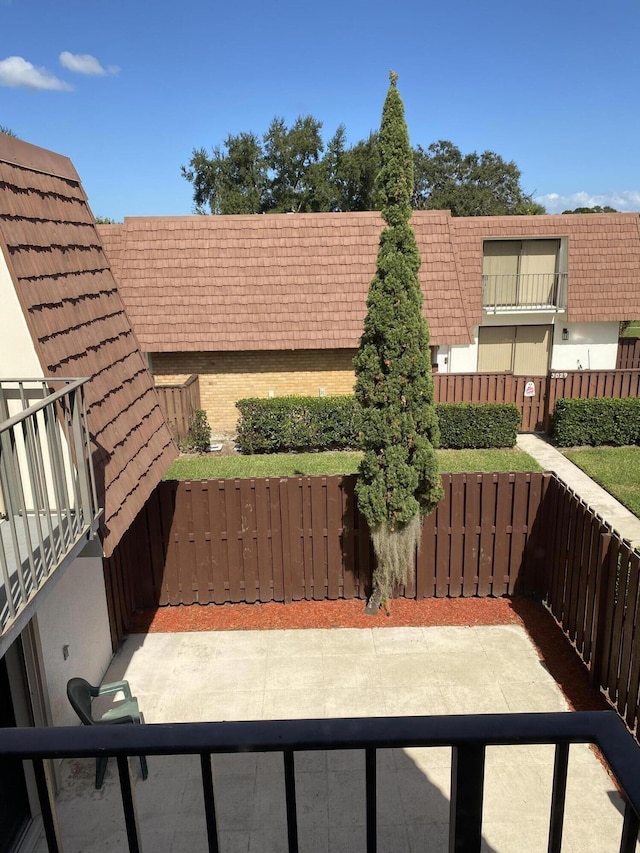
(628, 353)
(496, 388)
(591, 583)
(592, 383)
(179, 402)
(537, 408)
(286, 539)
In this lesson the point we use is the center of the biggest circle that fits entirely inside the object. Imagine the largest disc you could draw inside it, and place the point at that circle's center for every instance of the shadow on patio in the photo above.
(296, 674)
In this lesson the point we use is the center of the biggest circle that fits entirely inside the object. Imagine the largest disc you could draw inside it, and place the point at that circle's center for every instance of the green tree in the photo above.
(292, 156)
(230, 181)
(595, 209)
(468, 184)
(359, 170)
(106, 220)
(398, 481)
(289, 169)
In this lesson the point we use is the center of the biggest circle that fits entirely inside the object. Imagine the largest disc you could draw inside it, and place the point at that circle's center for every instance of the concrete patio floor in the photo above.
(208, 676)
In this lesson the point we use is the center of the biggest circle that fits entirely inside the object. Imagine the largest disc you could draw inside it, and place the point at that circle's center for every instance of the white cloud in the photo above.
(15, 71)
(84, 63)
(626, 201)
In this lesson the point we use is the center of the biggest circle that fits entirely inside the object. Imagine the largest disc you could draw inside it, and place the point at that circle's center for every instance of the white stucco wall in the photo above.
(17, 353)
(590, 346)
(524, 318)
(464, 359)
(74, 615)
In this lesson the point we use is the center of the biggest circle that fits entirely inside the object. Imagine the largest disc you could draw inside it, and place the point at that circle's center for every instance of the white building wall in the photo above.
(590, 346)
(18, 356)
(464, 358)
(74, 622)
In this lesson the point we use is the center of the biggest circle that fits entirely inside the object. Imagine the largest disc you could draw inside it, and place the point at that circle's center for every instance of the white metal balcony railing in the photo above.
(48, 503)
(524, 291)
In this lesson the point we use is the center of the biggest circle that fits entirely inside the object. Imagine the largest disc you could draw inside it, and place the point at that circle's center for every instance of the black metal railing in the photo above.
(468, 737)
(518, 292)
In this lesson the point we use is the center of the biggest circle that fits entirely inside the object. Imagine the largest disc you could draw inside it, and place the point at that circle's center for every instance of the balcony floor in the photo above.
(54, 540)
(338, 673)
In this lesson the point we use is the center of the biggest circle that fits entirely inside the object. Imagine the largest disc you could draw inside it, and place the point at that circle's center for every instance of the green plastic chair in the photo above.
(81, 694)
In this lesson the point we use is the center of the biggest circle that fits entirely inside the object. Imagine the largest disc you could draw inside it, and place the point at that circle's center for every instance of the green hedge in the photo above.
(296, 423)
(478, 425)
(598, 421)
(285, 424)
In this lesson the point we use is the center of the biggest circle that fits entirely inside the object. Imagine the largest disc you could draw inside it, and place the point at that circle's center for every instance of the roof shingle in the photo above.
(280, 281)
(79, 325)
(202, 283)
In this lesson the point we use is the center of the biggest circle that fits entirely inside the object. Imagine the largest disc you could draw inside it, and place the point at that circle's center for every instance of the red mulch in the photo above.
(553, 648)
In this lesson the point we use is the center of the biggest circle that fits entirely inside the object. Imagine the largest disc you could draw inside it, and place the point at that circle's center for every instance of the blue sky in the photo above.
(128, 89)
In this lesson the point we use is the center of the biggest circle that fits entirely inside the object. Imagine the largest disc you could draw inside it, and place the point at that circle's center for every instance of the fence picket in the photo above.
(201, 543)
(519, 530)
(620, 606)
(471, 535)
(458, 521)
(296, 538)
(534, 555)
(319, 533)
(444, 524)
(335, 564)
(503, 523)
(349, 538)
(218, 547)
(248, 539)
(306, 538)
(234, 540)
(287, 583)
(630, 631)
(488, 484)
(575, 567)
(595, 531)
(432, 538)
(277, 543)
(263, 539)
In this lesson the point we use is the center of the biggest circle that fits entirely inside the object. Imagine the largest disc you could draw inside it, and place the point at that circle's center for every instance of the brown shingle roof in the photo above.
(269, 282)
(201, 283)
(79, 325)
(603, 253)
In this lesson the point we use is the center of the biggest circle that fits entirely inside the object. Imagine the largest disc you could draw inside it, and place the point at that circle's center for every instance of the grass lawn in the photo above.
(632, 330)
(616, 469)
(293, 464)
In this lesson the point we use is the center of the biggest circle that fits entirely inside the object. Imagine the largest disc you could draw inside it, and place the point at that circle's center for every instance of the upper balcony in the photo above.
(524, 276)
(48, 503)
(524, 292)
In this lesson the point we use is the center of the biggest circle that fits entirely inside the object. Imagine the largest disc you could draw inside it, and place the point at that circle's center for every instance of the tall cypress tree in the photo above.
(398, 481)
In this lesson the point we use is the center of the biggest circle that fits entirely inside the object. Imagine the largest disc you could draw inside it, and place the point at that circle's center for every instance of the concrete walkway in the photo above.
(292, 674)
(613, 512)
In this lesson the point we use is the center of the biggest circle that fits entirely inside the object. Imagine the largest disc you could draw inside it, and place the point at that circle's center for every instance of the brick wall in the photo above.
(229, 376)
